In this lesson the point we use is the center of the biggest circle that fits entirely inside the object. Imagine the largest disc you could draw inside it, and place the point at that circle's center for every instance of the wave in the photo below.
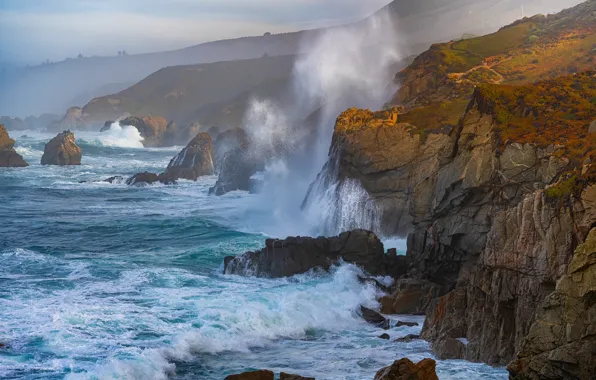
(120, 136)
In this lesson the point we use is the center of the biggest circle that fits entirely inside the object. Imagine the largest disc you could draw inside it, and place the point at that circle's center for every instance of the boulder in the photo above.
(374, 318)
(148, 178)
(411, 297)
(237, 166)
(561, 343)
(287, 376)
(8, 155)
(194, 161)
(227, 141)
(447, 347)
(407, 338)
(384, 336)
(296, 255)
(408, 324)
(151, 128)
(254, 375)
(62, 150)
(405, 369)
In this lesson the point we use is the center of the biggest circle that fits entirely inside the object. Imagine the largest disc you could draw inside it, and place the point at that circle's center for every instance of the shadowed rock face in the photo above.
(254, 375)
(237, 167)
(227, 141)
(404, 369)
(62, 150)
(561, 343)
(193, 161)
(296, 255)
(151, 128)
(8, 156)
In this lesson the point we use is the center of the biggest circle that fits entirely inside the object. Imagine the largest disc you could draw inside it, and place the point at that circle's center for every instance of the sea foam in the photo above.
(121, 136)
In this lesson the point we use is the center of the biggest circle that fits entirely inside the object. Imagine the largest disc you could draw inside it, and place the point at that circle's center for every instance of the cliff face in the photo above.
(491, 217)
(8, 155)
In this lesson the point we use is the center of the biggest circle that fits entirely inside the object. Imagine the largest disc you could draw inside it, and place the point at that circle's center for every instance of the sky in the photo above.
(32, 31)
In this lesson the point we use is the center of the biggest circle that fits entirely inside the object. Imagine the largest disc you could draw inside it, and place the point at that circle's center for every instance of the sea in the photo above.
(108, 281)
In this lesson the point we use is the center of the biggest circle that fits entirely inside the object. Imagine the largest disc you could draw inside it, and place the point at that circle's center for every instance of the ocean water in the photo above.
(106, 281)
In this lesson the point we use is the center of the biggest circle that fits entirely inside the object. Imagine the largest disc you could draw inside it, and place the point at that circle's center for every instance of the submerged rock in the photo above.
(62, 150)
(8, 156)
(407, 338)
(384, 336)
(254, 375)
(148, 178)
(408, 324)
(374, 318)
(405, 369)
(194, 161)
(296, 255)
(287, 376)
(561, 343)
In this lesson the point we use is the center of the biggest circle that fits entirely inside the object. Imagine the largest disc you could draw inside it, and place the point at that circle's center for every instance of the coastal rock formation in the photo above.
(227, 141)
(148, 178)
(405, 369)
(151, 128)
(493, 206)
(561, 343)
(296, 255)
(193, 161)
(287, 376)
(254, 375)
(374, 318)
(62, 150)
(237, 167)
(8, 156)
(412, 296)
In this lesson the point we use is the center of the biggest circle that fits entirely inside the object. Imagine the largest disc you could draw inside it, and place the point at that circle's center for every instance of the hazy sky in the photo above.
(35, 30)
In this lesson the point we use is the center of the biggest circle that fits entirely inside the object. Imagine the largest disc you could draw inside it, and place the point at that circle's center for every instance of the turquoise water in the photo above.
(106, 281)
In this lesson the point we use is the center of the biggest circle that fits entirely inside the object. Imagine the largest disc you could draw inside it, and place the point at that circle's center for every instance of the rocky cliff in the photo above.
(8, 156)
(493, 206)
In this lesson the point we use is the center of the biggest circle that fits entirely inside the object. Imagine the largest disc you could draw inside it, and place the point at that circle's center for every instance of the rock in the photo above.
(408, 324)
(296, 255)
(561, 343)
(237, 167)
(448, 348)
(404, 369)
(106, 126)
(73, 119)
(287, 376)
(254, 375)
(376, 283)
(151, 128)
(384, 336)
(193, 161)
(227, 141)
(148, 178)
(8, 155)
(411, 297)
(592, 128)
(407, 338)
(114, 180)
(374, 318)
(62, 150)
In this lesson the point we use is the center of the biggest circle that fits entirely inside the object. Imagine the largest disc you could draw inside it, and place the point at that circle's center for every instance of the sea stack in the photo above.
(62, 150)
(194, 161)
(8, 156)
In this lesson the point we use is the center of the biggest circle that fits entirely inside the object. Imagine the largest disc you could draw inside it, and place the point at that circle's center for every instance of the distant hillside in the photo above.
(54, 87)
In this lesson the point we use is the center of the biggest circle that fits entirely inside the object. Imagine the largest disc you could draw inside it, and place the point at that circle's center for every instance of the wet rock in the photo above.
(448, 348)
(151, 128)
(225, 142)
(384, 336)
(405, 369)
(561, 343)
(114, 180)
(8, 155)
(412, 296)
(407, 338)
(237, 166)
(148, 178)
(296, 255)
(194, 161)
(374, 282)
(287, 376)
(62, 150)
(254, 375)
(408, 324)
(106, 126)
(374, 318)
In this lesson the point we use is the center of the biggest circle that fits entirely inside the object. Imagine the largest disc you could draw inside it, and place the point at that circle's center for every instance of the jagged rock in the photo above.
(411, 297)
(561, 343)
(407, 338)
(287, 376)
(296, 255)
(151, 128)
(148, 178)
(374, 318)
(8, 156)
(384, 336)
(227, 141)
(369, 280)
(193, 161)
(237, 167)
(448, 348)
(114, 180)
(62, 150)
(408, 324)
(405, 369)
(106, 126)
(254, 375)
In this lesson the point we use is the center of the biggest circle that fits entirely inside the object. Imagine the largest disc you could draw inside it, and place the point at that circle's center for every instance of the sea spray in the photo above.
(117, 135)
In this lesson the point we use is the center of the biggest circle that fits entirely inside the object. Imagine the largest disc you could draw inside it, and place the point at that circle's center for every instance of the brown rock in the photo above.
(8, 156)
(62, 150)
(254, 375)
(404, 369)
(151, 128)
(407, 338)
(193, 161)
(374, 318)
(592, 128)
(411, 297)
(448, 348)
(287, 376)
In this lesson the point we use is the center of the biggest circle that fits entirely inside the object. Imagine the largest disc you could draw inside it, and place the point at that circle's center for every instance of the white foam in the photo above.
(120, 136)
